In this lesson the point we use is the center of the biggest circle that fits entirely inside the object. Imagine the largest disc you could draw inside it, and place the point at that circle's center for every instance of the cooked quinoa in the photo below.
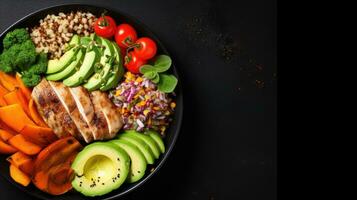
(54, 31)
(142, 105)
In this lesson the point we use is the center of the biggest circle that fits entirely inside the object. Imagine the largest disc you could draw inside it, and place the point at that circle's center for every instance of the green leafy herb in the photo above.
(156, 80)
(167, 83)
(150, 75)
(162, 63)
(147, 68)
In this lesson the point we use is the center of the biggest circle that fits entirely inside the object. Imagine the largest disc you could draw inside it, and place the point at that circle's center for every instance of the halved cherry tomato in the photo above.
(145, 48)
(133, 62)
(105, 26)
(125, 35)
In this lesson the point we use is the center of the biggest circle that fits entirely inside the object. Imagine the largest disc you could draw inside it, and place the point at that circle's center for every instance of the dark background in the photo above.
(226, 54)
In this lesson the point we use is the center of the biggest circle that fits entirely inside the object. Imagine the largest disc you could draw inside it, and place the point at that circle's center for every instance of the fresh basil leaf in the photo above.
(167, 83)
(147, 68)
(156, 79)
(162, 63)
(150, 75)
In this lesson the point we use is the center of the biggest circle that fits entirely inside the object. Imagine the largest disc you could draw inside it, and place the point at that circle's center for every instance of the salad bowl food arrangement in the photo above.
(90, 103)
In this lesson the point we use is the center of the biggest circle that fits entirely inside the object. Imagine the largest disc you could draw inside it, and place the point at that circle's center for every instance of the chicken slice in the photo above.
(111, 112)
(52, 110)
(94, 117)
(69, 103)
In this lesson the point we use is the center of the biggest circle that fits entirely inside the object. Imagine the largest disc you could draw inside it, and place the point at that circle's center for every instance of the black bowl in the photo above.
(172, 132)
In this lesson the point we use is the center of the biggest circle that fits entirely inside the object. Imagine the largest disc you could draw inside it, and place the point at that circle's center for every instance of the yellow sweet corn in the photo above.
(139, 79)
(146, 112)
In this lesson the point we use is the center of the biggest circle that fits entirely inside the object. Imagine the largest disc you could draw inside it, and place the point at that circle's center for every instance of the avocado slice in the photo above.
(69, 70)
(142, 146)
(157, 138)
(100, 168)
(86, 69)
(147, 139)
(100, 77)
(117, 72)
(58, 65)
(138, 162)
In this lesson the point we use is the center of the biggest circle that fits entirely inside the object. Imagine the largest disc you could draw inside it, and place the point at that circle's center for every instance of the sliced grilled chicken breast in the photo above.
(52, 110)
(94, 117)
(110, 111)
(70, 105)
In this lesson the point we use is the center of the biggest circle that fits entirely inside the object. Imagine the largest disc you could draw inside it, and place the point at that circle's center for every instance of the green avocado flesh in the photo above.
(101, 77)
(85, 70)
(141, 145)
(117, 72)
(100, 168)
(157, 138)
(138, 162)
(58, 65)
(147, 139)
(69, 70)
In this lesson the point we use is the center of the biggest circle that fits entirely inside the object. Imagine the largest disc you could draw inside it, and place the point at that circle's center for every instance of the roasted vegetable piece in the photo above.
(6, 149)
(35, 116)
(22, 161)
(18, 176)
(22, 144)
(39, 135)
(52, 172)
(16, 122)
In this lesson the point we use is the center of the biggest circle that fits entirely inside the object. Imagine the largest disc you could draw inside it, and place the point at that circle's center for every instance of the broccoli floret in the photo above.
(40, 67)
(6, 63)
(18, 57)
(26, 55)
(17, 36)
(30, 79)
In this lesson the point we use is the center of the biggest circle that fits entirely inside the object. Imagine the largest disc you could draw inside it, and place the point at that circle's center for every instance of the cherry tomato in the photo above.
(145, 48)
(125, 35)
(105, 26)
(133, 62)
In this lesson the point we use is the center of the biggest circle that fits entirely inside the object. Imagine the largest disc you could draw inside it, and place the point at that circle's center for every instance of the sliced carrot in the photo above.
(57, 153)
(60, 179)
(7, 128)
(38, 135)
(6, 149)
(52, 171)
(5, 135)
(57, 179)
(27, 147)
(34, 114)
(2, 102)
(25, 90)
(40, 180)
(16, 97)
(15, 117)
(3, 91)
(18, 176)
(22, 161)
(8, 81)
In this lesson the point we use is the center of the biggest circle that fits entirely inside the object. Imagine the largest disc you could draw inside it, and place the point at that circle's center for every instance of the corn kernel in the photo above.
(146, 112)
(117, 93)
(173, 105)
(156, 108)
(142, 103)
(139, 79)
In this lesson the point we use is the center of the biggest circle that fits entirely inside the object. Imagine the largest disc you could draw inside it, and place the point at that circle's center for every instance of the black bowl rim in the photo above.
(178, 88)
